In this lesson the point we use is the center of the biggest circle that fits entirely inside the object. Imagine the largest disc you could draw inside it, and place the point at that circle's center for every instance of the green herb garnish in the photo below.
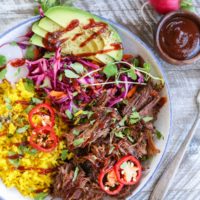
(69, 114)
(30, 52)
(119, 134)
(110, 70)
(41, 196)
(29, 85)
(23, 129)
(134, 117)
(64, 154)
(147, 119)
(78, 142)
(187, 5)
(71, 74)
(77, 67)
(76, 132)
(3, 60)
(35, 100)
(3, 74)
(75, 174)
(159, 135)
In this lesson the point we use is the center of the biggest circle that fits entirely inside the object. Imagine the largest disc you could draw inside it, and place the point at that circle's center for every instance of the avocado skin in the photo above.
(59, 17)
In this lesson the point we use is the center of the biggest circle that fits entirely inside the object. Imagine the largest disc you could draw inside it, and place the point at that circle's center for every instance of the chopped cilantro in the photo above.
(29, 85)
(111, 149)
(76, 132)
(29, 108)
(122, 122)
(110, 70)
(28, 150)
(64, 154)
(69, 114)
(92, 121)
(23, 129)
(77, 142)
(71, 74)
(41, 196)
(3, 60)
(134, 117)
(36, 100)
(159, 135)
(30, 52)
(75, 174)
(147, 119)
(77, 67)
(14, 162)
(2, 74)
(119, 134)
(135, 62)
(147, 67)
(132, 74)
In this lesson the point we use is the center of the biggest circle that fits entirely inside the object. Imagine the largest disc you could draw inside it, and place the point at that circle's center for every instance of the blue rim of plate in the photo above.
(33, 19)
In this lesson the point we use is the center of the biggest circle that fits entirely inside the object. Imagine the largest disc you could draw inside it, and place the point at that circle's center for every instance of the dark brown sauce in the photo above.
(76, 36)
(116, 46)
(92, 24)
(23, 102)
(15, 156)
(51, 40)
(180, 38)
(40, 170)
(17, 62)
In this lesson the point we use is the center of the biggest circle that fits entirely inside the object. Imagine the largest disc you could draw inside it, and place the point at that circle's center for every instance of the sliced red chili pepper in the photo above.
(108, 182)
(128, 170)
(45, 112)
(44, 139)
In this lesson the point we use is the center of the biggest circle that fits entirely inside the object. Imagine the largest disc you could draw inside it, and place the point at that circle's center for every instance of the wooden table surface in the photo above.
(184, 82)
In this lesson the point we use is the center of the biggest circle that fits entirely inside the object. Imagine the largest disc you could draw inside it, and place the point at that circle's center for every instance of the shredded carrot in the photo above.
(57, 94)
(131, 92)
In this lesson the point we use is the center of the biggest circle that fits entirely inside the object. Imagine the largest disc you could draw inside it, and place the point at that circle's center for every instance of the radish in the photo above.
(165, 6)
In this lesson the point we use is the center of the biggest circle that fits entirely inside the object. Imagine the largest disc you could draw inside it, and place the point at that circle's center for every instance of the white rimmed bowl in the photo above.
(132, 44)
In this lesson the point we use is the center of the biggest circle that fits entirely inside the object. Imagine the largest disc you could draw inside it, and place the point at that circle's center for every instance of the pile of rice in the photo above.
(29, 182)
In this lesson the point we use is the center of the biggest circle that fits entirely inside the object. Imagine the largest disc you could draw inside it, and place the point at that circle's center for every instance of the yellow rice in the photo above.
(27, 182)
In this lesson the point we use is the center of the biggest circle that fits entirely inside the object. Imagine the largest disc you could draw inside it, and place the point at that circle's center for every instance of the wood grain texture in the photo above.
(184, 82)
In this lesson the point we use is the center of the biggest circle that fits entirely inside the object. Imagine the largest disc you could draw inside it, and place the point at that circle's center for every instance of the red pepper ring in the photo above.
(37, 110)
(128, 170)
(108, 182)
(43, 139)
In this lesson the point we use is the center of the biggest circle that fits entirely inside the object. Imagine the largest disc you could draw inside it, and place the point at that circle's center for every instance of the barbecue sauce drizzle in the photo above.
(52, 39)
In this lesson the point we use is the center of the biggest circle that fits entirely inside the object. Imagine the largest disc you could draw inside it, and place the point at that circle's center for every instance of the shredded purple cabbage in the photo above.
(49, 75)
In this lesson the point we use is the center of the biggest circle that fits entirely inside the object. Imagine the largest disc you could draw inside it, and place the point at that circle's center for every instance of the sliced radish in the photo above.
(11, 51)
(14, 74)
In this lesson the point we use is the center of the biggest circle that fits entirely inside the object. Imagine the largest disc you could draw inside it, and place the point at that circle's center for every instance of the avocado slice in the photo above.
(37, 30)
(58, 18)
(36, 40)
(96, 44)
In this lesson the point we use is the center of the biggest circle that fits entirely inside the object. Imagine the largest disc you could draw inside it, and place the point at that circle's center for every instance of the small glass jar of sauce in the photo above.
(178, 37)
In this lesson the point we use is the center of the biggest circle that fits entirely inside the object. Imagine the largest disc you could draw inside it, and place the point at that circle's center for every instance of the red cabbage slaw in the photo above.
(77, 92)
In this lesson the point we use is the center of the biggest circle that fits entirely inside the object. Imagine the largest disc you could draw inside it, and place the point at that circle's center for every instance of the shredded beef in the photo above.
(100, 147)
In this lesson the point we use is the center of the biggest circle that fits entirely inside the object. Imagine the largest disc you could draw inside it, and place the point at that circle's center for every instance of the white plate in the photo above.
(132, 45)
